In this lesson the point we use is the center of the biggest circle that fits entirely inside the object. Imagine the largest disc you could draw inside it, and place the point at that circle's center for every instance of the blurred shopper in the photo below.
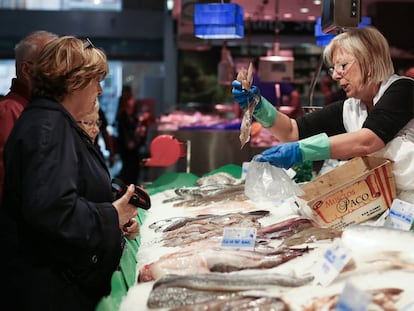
(330, 95)
(91, 123)
(130, 136)
(107, 138)
(61, 233)
(410, 72)
(12, 105)
(94, 123)
(376, 119)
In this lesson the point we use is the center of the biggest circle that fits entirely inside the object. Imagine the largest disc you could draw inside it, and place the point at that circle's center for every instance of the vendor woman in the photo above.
(375, 119)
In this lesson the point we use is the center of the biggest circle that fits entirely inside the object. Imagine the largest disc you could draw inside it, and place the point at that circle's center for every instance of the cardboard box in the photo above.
(352, 193)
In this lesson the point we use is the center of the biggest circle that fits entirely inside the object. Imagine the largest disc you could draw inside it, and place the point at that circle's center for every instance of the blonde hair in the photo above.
(370, 49)
(65, 65)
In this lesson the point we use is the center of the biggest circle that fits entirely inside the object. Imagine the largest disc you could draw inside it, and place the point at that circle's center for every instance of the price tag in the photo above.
(353, 299)
(242, 238)
(400, 216)
(333, 261)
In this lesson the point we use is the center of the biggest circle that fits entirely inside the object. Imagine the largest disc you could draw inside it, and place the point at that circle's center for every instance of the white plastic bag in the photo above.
(265, 182)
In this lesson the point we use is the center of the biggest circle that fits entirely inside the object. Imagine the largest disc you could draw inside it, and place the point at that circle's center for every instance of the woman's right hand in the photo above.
(125, 210)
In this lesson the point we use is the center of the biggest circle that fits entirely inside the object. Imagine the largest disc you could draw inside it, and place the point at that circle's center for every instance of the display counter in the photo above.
(380, 271)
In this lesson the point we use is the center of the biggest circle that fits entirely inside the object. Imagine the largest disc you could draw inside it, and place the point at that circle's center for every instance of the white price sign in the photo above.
(242, 238)
(400, 216)
(333, 261)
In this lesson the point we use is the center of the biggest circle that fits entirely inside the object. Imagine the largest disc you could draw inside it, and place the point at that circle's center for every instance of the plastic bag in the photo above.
(265, 182)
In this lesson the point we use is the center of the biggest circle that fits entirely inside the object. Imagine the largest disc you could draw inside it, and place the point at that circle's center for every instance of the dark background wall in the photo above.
(135, 33)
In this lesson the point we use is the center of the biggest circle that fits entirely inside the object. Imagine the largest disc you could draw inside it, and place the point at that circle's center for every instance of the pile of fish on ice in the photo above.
(182, 266)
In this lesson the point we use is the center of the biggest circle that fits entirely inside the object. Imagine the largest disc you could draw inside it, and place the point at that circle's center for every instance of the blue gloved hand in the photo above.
(282, 155)
(313, 148)
(244, 97)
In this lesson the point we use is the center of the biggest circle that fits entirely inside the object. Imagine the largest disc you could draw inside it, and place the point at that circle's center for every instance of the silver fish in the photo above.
(232, 282)
(311, 235)
(220, 178)
(238, 303)
(210, 194)
(221, 291)
(173, 297)
(196, 229)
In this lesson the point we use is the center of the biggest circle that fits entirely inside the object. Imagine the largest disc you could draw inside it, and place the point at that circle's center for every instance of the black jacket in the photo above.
(58, 226)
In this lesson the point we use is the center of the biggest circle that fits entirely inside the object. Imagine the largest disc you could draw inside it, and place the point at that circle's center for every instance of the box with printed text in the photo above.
(354, 192)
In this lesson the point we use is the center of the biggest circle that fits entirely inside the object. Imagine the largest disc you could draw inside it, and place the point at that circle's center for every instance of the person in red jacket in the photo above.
(12, 105)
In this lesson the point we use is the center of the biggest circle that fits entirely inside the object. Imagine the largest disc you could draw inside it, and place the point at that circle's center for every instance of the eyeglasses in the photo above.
(87, 43)
(90, 124)
(340, 68)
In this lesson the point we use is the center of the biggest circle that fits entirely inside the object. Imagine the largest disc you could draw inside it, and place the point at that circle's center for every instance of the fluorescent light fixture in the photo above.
(218, 21)
(276, 68)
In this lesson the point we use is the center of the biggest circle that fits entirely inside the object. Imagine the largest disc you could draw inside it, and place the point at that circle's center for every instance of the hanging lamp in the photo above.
(218, 21)
(275, 66)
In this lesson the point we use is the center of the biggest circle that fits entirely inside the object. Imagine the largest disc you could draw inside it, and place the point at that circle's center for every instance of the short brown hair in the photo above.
(67, 64)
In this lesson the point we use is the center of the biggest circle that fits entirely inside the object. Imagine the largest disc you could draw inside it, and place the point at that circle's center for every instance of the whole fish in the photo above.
(215, 259)
(220, 178)
(173, 297)
(246, 79)
(173, 223)
(285, 228)
(238, 303)
(232, 282)
(217, 291)
(311, 235)
(198, 196)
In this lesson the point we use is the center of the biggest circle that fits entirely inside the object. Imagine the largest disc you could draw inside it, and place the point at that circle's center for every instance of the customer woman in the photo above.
(376, 117)
(61, 231)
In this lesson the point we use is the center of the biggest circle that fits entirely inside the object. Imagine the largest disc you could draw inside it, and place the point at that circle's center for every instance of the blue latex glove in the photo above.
(244, 97)
(282, 155)
(313, 148)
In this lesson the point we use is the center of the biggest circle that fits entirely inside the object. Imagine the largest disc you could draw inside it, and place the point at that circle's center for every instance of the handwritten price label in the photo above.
(333, 261)
(400, 216)
(242, 238)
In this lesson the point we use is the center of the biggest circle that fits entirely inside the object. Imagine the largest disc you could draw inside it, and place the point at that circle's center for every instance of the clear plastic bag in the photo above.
(265, 182)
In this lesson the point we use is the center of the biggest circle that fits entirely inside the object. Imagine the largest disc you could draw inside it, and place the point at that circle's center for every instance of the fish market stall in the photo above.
(182, 262)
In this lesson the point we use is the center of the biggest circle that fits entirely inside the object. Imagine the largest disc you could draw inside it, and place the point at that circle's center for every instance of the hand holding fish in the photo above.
(243, 92)
(247, 97)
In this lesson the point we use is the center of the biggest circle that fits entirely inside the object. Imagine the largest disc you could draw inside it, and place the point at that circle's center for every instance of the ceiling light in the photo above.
(317, 2)
(304, 10)
(287, 15)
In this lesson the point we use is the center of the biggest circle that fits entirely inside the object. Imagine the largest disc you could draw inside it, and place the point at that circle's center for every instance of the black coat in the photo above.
(57, 224)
